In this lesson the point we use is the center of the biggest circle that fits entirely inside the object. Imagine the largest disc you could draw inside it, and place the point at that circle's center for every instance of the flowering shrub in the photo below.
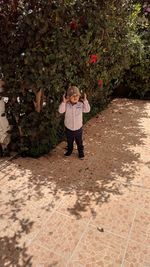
(48, 45)
(100, 83)
(93, 59)
(73, 25)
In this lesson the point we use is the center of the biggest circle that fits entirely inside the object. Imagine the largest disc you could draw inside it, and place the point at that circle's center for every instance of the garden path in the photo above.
(64, 212)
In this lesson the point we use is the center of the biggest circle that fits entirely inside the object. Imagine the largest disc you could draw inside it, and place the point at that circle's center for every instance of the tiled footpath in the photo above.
(58, 212)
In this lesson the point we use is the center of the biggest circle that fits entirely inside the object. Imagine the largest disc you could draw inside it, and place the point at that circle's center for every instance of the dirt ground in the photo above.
(58, 211)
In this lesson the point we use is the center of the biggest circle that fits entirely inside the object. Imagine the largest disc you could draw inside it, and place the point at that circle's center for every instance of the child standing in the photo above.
(74, 109)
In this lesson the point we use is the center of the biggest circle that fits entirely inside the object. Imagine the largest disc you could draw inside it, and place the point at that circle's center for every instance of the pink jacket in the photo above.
(74, 114)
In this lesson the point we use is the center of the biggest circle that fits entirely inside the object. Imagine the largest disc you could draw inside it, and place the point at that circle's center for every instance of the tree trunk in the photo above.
(39, 100)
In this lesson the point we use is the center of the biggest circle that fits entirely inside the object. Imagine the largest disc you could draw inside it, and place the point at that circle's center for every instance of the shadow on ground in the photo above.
(11, 253)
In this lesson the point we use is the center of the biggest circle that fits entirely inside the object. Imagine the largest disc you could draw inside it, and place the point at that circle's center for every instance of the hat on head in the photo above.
(73, 90)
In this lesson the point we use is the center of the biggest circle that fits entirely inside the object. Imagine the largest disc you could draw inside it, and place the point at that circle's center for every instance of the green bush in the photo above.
(137, 78)
(48, 45)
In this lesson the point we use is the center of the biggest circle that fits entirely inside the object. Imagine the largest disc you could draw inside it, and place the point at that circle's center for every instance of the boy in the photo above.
(74, 109)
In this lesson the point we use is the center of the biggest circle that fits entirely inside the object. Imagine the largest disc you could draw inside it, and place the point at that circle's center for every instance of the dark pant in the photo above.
(77, 137)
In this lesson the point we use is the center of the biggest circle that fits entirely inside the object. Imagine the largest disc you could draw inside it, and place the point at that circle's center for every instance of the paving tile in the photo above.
(42, 257)
(23, 195)
(115, 216)
(4, 196)
(97, 249)
(137, 255)
(60, 234)
(1, 178)
(8, 224)
(131, 195)
(23, 216)
(11, 183)
(8, 229)
(23, 186)
(141, 227)
(10, 172)
(11, 254)
(31, 221)
(144, 153)
(46, 200)
(144, 202)
(31, 256)
(128, 264)
(80, 209)
(131, 264)
(145, 180)
(144, 170)
(24, 223)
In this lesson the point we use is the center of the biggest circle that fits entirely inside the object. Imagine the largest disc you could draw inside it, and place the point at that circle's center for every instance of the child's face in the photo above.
(74, 99)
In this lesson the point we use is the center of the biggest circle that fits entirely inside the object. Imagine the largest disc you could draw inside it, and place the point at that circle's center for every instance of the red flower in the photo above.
(93, 59)
(100, 83)
(82, 20)
(73, 25)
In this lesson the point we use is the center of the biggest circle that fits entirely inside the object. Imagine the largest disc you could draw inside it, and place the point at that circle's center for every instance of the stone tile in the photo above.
(24, 223)
(11, 254)
(24, 230)
(144, 153)
(97, 249)
(8, 224)
(47, 200)
(141, 227)
(60, 234)
(131, 195)
(131, 264)
(144, 173)
(14, 184)
(31, 221)
(128, 264)
(115, 216)
(4, 197)
(145, 181)
(42, 257)
(24, 196)
(137, 255)
(144, 202)
(31, 256)
(4, 208)
(1, 178)
(8, 229)
(10, 171)
(21, 216)
(80, 209)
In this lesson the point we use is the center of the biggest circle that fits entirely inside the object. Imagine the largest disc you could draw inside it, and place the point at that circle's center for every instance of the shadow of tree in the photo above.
(110, 166)
(11, 253)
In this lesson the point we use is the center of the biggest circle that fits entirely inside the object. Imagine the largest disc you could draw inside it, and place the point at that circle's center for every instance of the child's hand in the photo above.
(64, 98)
(85, 98)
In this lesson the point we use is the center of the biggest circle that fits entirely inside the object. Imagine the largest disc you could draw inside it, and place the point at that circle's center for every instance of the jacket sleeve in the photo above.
(86, 106)
(62, 107)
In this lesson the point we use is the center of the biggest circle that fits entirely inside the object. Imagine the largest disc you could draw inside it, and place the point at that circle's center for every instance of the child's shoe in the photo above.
(68, 153)
(81, 155)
